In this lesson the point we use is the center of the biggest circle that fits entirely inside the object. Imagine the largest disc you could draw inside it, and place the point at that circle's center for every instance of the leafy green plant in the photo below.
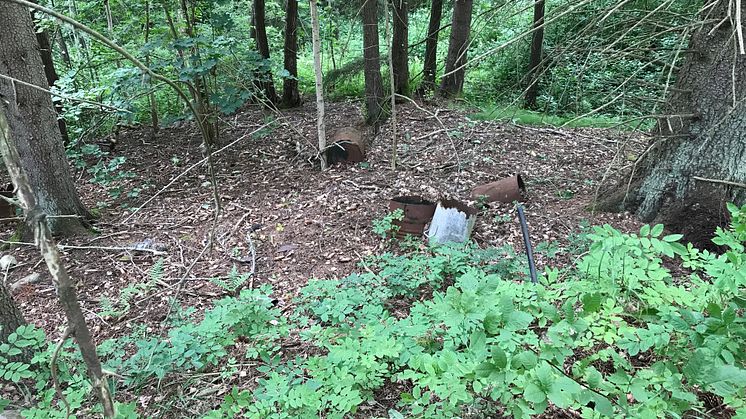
(233, 283)
(104, 171)
(457, 329)
(385, 227)
(20, 344)
(619, 338)
(115, 310)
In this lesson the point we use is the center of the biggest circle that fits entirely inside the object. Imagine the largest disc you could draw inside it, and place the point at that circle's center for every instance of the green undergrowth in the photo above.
(639, 326)
(529, 117)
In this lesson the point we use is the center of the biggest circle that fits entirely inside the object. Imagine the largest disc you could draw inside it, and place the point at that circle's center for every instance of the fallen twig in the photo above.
(724, 182)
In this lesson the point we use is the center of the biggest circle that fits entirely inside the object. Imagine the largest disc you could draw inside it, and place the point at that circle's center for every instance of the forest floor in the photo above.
(304, 223)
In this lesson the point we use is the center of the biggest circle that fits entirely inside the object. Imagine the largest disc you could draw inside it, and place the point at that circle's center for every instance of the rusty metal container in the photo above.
(417, 212)
(504, 190)
(347, 145)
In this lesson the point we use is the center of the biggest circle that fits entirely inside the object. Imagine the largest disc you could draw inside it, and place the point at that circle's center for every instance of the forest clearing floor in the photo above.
(304, 223)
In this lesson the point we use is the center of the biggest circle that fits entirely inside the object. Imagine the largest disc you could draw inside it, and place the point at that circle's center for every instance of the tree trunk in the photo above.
(372, 69)
(154, 124)
(400, 47)
(703, 136)
(290, 94)
(534, 65)
(263, 46)
(10, 316)
(453, 79)
(64, 286)
(51, 74)
(33, 123)
(429, 70)
(64, 52)
(320, 127)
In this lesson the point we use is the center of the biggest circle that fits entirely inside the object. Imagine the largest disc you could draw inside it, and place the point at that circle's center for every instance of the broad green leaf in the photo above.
(518, 320)
(499, 358)
(563, 391)
(639, 391)
(672, 238)
(645, 230)
(657, 230)
(492, 323)
(593, 377)
(534, 394)
(591, 302)
(603, 406)
(545, 375)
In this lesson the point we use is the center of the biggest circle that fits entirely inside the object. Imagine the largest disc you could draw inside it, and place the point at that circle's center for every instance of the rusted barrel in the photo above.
(504, 190)
(347, 145)
(417, 212)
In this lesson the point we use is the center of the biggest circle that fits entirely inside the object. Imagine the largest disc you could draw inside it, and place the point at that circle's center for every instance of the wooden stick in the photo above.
(64, 286)
(724, 182)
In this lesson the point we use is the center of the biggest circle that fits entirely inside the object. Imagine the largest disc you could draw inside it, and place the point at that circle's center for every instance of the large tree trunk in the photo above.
(703, 137)
(372, 69)
(263, 46)
(429, 70)
(400, 47)
(290, 94)
(453, 79)
(534, 65)
(33, 122)
(10, 315)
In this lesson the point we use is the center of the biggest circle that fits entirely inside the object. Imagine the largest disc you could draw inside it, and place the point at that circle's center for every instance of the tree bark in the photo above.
(702, 137)
(262, 45)
(372, 66)
(453, 79)
(10, 316)
(33, 123)
(64, 286)
(400, 47)
(429, 70)
(534, 66)
(320, 127)
(290, 94)
(45, 48)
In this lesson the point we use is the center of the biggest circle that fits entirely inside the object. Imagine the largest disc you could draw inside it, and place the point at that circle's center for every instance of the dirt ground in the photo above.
(304, 223)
